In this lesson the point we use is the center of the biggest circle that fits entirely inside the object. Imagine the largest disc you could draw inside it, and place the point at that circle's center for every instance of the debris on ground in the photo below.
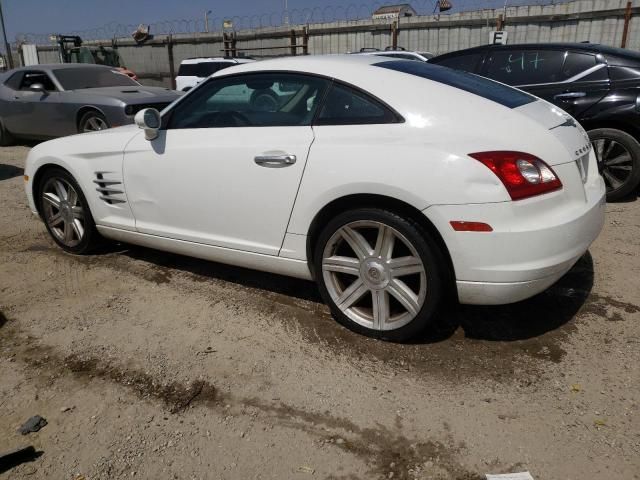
(510, 476)
(34, 424)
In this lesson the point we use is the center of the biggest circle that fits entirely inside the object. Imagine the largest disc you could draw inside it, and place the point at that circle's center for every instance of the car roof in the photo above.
(328, 65)
(584, 46)
(195, 60)
(58, 66)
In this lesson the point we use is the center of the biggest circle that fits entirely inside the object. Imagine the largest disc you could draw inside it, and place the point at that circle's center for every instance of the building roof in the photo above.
(390, 10)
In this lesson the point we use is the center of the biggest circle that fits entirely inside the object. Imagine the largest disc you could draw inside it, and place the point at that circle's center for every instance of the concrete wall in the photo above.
(597, 21)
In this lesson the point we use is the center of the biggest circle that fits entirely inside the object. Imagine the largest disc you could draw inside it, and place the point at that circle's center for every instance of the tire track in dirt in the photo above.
(387, 452)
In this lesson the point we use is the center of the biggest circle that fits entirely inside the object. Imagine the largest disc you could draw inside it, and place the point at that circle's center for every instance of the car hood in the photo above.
(134, 94)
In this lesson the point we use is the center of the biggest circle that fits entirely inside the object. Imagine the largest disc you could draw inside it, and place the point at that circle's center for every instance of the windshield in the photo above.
(78, 78)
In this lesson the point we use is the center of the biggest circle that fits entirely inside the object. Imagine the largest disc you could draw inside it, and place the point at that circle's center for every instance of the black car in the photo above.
(598, 85)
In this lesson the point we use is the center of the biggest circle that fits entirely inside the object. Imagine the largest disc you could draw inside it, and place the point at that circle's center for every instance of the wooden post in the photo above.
(500, 23)
(234, 41)
(229, 40)
(172, 68)
(225, 43)
(305, 40)
(293, 42)
(627, 20)
(394, 35)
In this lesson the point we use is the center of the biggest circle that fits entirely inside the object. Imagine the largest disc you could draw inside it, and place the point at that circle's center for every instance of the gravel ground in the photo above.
(152, 365)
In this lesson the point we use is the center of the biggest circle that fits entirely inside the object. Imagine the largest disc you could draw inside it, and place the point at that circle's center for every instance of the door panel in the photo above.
(226, 169)
(574, 98)
(38, 114)
(205, 185)
(34, 113)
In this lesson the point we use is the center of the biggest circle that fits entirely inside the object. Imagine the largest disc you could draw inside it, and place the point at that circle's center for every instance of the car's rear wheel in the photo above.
(92, 121)
(380, 274)
(618, 155)
(66, 213)
(6, 138)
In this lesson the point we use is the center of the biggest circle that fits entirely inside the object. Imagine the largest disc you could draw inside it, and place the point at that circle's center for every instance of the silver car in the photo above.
(46, 101)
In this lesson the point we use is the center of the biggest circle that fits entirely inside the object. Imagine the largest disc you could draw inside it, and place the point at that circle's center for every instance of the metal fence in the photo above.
(156, 61)
(348, 12)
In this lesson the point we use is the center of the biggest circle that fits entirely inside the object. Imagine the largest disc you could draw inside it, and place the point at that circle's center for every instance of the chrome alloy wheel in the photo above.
(63, 212)
(95, 124)
(615, 162)
(374, 275)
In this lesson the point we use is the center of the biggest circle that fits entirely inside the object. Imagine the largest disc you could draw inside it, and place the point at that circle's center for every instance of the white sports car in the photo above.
(392, 183)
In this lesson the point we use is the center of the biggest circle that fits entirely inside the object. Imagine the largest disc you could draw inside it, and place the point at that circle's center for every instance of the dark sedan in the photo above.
(598, 85)
(46, 101)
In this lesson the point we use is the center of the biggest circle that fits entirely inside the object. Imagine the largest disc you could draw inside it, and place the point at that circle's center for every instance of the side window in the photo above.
(467, 63)
(253, 100)
(526, 67)
(576, 63)
(31, 78)
(346, 106)
(14, 81)
(209, 68)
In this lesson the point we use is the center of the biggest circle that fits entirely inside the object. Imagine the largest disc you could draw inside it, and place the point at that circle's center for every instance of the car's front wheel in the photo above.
(92, 121)
(380, 274)
(66, 213)
(618, 155)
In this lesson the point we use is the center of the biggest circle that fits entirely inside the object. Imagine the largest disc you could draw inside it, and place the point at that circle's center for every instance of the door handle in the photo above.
(569, 95)
(275, 161)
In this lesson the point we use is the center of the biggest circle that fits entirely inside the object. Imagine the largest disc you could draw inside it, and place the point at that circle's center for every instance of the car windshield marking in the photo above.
(483, 87)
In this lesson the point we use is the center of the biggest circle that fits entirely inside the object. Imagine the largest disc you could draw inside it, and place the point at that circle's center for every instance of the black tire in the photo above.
(90, 119)
(430, 254)
(619, 180)
(6, 139)
(91, 239)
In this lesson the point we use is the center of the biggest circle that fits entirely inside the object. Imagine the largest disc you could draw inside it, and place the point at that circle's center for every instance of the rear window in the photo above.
(494, 91)
(202, 69)
(525, 67)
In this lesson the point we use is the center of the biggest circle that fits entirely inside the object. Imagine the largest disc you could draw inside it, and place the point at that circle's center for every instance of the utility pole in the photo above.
(206, 21)
(286, 12)
(4, 36)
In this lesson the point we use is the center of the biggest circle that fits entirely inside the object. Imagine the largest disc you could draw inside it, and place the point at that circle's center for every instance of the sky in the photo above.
(63, 16)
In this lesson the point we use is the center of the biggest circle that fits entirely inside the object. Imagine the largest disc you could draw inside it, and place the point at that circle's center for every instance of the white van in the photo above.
(193, 70)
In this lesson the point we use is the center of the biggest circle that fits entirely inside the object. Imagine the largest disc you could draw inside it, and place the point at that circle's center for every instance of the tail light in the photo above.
(522, 174)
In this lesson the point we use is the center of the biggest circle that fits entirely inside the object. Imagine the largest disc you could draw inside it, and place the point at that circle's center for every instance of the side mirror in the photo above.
(38, 87)
(149, 120)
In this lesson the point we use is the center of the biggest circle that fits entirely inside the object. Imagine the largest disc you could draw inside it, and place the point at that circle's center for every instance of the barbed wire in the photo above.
(293, 17)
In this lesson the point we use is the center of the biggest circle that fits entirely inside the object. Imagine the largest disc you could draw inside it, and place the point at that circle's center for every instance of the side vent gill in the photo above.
(110, 189)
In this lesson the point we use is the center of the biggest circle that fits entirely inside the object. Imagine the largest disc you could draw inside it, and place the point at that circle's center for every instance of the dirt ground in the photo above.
(151, 365)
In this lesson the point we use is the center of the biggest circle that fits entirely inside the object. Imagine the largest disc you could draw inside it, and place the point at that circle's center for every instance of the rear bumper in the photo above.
(493, 293)
(533, 244)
